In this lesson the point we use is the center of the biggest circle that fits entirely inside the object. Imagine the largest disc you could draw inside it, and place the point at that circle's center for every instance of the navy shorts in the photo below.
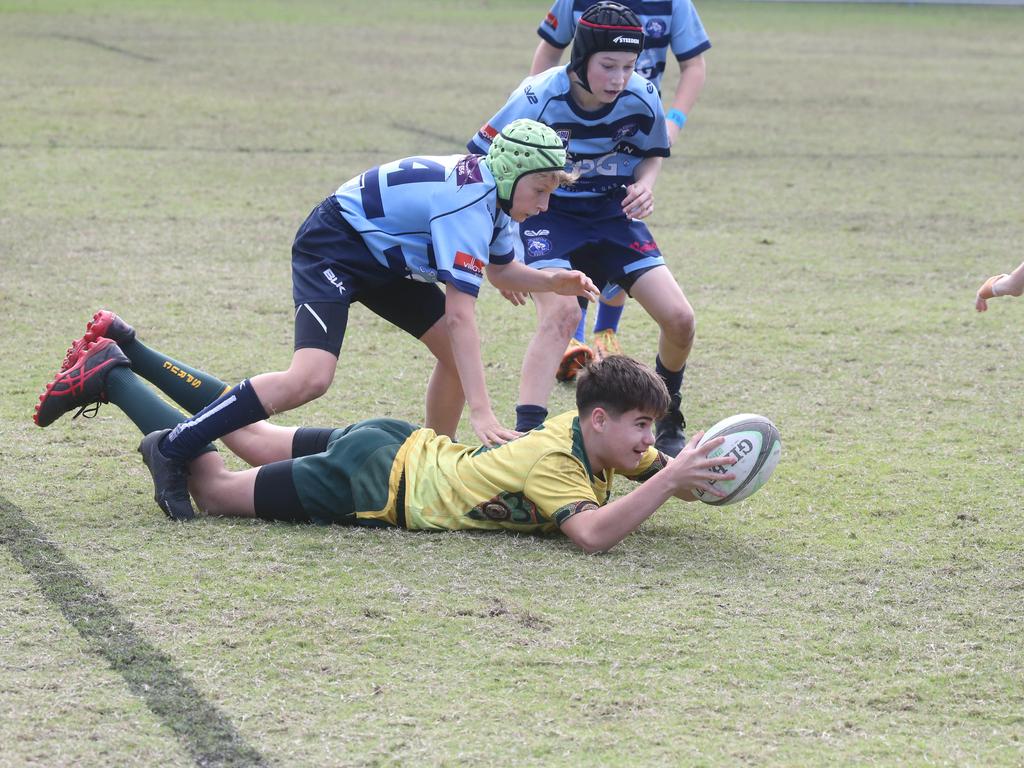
(592, 235)
(332, 267)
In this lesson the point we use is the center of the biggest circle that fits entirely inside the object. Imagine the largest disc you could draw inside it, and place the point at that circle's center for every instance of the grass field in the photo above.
(849, 177)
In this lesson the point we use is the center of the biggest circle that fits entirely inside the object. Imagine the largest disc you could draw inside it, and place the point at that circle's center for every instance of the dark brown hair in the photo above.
(619, 384)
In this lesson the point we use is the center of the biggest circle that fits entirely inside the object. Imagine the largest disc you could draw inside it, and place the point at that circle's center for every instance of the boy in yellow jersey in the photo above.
(386, 472)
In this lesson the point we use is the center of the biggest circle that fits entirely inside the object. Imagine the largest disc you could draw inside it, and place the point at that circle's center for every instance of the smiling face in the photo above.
(532, 194)
(618, 442)
(607, 74)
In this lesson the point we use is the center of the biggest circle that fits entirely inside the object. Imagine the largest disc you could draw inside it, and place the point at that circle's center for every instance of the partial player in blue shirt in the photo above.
(667, 24)
(385, 239)
(613, 124)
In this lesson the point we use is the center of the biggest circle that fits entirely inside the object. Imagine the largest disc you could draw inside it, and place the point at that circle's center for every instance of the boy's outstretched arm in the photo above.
(598, 529)
(1000, 285)
(460, 317)
(518, 278)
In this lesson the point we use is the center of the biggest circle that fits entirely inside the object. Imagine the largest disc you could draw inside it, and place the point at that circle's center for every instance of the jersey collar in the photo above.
(578, 449)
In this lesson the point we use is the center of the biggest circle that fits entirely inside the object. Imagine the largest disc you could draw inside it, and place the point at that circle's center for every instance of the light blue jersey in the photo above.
(435, 219)
(606, 146)
(666, 23)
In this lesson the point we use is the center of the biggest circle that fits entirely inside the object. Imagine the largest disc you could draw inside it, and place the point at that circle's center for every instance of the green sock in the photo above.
(140, 403)
(190, 388)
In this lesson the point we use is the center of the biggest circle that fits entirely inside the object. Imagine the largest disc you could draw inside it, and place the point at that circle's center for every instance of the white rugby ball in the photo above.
(755, 443)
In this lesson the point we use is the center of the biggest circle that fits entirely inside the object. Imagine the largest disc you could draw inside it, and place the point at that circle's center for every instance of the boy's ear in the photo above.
(598, 418)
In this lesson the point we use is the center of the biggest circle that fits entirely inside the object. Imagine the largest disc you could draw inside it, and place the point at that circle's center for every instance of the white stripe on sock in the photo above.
(192, 422)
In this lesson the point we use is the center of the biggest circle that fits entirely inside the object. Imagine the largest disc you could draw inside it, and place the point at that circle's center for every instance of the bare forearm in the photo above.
(647, 172)
(600, 528)
(516, 276)
(466, 349)
(545, 57)
(1012, 284)
(692, 75)
(691, 82)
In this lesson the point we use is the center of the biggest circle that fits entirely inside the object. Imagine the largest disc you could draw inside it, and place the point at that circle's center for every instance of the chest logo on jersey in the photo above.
(537, 247)
(564, 134)
(655, 28)
(467, 171)
(467, 263)
(625, 131)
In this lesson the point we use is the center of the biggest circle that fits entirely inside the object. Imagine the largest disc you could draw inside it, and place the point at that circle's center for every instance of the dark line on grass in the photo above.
(105, 46)
(150, 674)
(406, 128)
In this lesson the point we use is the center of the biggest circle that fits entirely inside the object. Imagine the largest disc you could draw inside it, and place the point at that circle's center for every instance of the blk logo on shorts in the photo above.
(334, 280)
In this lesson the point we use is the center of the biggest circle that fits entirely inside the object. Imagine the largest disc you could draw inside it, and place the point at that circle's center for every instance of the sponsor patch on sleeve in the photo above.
(551, 20)
(467, 263)
(487, 132)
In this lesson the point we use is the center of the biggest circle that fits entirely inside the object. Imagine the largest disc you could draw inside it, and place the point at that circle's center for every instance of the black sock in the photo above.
(530, 417)
(673, 379)
(235, 409)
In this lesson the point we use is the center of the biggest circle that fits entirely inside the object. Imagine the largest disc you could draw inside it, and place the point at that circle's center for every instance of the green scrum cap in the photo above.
(522, 147)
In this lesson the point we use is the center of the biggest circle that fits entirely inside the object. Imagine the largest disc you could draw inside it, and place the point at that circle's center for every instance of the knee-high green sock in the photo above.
(189, 387)
(140, 403)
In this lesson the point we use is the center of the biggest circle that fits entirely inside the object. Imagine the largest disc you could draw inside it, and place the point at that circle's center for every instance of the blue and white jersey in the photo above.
(666, 23)
(606, 145)
(434, 219)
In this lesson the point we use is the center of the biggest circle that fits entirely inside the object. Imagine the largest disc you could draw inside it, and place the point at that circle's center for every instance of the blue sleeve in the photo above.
(688, 36)
(503, 245)
(655, 143)
(558, 26)
(461, 240)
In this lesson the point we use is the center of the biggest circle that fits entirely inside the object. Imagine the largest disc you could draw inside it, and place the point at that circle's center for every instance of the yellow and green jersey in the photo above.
(532, 484)
(390, 472)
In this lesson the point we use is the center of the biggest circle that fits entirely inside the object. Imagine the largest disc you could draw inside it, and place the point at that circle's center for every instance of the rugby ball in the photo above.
(755, 443)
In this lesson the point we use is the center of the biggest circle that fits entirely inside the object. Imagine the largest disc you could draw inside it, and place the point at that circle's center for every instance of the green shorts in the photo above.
(353, 481)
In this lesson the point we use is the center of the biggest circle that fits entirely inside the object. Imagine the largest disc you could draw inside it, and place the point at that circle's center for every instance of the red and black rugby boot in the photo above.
(83, 384)
(104, 325)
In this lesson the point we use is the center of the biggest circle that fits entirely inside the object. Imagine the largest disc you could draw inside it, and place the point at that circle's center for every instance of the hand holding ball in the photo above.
(754, 441)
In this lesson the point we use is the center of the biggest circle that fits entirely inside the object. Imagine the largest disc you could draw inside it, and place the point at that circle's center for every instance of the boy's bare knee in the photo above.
(308, 384)
(680, 327)
(562, 319)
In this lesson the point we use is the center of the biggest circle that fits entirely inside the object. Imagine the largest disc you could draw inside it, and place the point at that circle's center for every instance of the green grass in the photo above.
(849, 177)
